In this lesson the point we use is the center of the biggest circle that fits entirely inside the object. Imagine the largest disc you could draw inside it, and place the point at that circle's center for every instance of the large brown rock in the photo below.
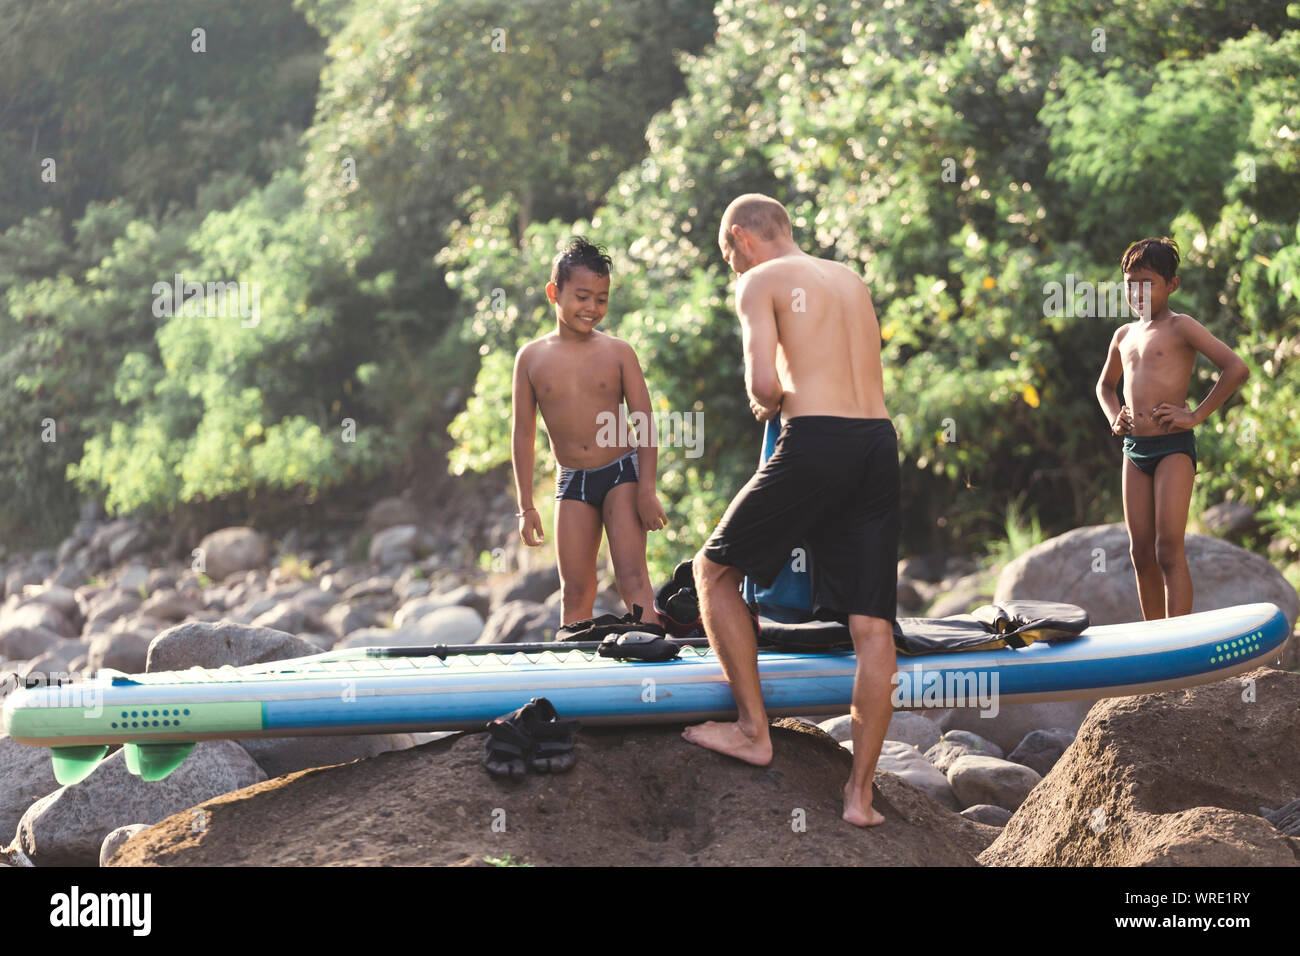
(1091, 567)
(1169, 779)
(642, 796)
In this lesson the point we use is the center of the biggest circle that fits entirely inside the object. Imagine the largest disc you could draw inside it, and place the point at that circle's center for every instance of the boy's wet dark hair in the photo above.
(1158, 255)
(579, 253)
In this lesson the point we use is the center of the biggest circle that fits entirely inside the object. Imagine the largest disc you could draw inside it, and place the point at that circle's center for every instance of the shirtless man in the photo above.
(812, 354)
(1156, 355)
(580, 378)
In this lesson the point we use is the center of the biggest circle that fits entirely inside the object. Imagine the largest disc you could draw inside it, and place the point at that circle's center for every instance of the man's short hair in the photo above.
(579, 253)
(1158, 255)
(759, 214)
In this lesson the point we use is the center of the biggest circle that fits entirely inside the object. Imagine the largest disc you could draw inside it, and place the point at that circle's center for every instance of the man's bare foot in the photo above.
(729, 739)
(859, 814)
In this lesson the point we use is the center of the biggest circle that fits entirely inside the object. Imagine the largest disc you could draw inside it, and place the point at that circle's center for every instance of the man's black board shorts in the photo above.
(832, 487)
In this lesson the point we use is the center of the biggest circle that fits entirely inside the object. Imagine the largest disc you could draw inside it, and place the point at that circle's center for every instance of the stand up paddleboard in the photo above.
(159, 716)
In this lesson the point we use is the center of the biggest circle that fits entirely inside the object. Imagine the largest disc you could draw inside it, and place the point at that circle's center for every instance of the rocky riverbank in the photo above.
(113, 595)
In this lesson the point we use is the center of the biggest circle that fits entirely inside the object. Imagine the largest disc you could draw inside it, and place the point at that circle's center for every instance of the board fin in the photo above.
(74, 764)
(155, 761)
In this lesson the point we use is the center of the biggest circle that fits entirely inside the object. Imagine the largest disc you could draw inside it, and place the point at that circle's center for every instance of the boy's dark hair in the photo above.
(579, 253)
(1158, 255)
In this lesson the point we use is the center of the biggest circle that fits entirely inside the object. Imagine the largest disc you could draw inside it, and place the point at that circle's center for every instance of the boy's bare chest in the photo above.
(563, 378)
(1153, 349)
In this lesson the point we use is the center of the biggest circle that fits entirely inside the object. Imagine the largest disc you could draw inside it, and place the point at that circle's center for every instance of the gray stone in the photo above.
(960, 600)
(1041, 749)
(1002, 783)
(280, 755)
(1070, 567)
(58, 664)
(169, 604)
(125, 651)
(135, 577)
(1014, 721)
(252, 609)
(130, 542)
(399, 545)
(922, 567)
(26, 775)
(1286, 818)
(374, 637)
(410, 590)
(977, 745)
(232, 550)
(464, 596)
(204, 644)
(39, 616)
(322, 642)
(345, 619)
(839, 728)
(391, 513)
(20, 578)
(68, 827)
(448, 625)
(62, 599)
(70, 575)
(114, 840)
(24, 643)
(912, 767)
(909, 598)
(282, 617)
(108, 606)
(534, 586)
(516, 622)
(378, 586)
(1230, 519)
(987, 813)
(913, 729)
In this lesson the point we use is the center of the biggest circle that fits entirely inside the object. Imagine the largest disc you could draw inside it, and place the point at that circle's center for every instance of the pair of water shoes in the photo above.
(530, 738)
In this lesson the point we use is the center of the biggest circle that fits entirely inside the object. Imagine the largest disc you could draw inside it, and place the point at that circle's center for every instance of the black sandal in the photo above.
(532, 737)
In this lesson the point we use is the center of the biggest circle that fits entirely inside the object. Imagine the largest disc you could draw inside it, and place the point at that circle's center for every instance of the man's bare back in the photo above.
(578, 384)
(1158, 360)
(812, 354)
(828, 338)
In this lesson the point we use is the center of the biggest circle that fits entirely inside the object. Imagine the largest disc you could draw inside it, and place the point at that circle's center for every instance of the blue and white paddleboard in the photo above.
(159, 716)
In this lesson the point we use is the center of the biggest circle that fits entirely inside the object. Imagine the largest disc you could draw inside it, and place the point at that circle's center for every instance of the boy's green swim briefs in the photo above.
(1146, 451)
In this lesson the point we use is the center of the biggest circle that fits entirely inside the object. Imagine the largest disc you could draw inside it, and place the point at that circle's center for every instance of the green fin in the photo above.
(74, 764)
(155, 761)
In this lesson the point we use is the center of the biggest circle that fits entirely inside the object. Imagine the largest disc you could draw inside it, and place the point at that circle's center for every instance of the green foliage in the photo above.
(145, 117)
(964, 158)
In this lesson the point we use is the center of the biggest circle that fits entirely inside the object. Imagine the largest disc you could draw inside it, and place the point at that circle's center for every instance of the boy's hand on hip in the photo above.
(530, 528)
(1123, 423)
(1174, 418)
(651, 512)
(762, 412)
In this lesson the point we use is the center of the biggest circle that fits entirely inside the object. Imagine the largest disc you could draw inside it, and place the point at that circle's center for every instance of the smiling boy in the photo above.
(1156, 356)
(580, 378)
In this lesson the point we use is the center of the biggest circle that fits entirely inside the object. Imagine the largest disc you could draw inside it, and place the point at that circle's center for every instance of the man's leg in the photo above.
(1173, 494)
(873, 688)
(1139, 517)
(627, 549)
(731, 634)
(577, 540)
